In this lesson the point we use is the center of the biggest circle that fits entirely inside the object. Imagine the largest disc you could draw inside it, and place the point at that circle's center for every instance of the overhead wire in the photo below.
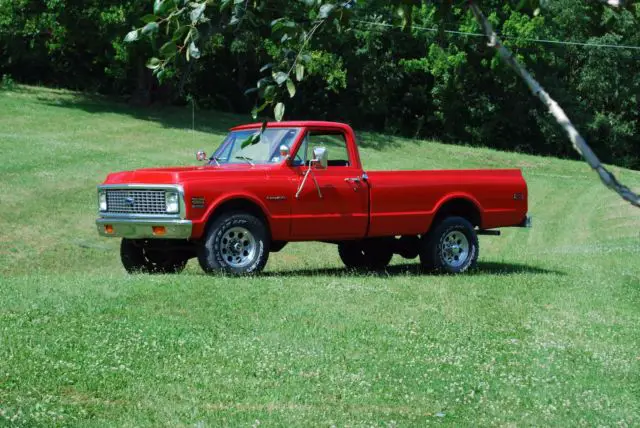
(528, 39)
(504, 37)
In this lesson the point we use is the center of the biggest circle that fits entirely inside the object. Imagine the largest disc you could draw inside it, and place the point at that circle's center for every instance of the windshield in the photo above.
(263, 150)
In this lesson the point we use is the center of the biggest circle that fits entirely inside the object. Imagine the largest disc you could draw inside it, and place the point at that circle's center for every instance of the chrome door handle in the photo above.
(353, 180)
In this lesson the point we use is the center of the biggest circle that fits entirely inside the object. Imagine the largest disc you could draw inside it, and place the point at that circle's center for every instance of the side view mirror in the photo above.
(284, 151)
(201, 156)
(320, 157)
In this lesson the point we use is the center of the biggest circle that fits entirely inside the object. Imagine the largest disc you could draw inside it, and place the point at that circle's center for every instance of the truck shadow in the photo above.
(484, 268)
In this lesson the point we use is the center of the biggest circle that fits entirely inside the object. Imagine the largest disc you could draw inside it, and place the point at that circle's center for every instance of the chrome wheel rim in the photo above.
(455, 249)
(238, 247)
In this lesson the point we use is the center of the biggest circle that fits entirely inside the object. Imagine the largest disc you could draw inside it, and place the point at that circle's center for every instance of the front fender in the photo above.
(241, 199)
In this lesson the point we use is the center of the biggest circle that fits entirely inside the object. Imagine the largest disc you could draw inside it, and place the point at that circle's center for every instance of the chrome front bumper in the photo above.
(144, 228)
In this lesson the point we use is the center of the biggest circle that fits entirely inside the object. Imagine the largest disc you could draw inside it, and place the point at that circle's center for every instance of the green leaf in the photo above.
(325, 10)
(266, 67)
(180, 33)
(132, 36)
(149, 18)
(282, 24)
(254, 139)
(305, 58)
(153, 64)
(279, 111)
(169, 49)
(160, 7)
(197, 13)
(257, 109)
(269, 93)
(291, 87)
(194, 51)
(299, 72)
(188, 37)
(280, 77)
(150, 28)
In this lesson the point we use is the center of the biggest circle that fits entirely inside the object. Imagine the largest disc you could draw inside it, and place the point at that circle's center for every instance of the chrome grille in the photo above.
(136, 201)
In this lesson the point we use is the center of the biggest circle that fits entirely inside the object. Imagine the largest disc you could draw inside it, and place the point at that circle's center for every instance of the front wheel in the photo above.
(138, 258)
(235, 243)
(451, 247)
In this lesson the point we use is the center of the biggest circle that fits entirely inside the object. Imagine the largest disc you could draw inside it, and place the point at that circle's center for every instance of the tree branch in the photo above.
(579, 144)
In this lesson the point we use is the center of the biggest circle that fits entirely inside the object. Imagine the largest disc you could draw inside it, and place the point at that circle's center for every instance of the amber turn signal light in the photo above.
(108, 229)
(159, 230)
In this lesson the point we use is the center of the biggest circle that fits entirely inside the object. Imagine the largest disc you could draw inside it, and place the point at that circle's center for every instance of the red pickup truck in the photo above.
(271, 184)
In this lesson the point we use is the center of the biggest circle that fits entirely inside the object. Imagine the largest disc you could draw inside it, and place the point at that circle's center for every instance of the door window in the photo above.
(334, 142)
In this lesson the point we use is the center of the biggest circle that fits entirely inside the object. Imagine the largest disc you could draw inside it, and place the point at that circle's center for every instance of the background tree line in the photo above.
(432, 79)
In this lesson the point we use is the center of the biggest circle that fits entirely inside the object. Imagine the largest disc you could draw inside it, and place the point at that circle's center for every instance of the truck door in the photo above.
(343, 210)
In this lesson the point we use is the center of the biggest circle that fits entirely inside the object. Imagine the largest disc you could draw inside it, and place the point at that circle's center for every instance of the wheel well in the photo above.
(459, 207)
(243, 205)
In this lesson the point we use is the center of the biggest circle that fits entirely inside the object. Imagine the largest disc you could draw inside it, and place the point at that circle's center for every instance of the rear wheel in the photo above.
(138, 258)
(451, 247)
(369, 254)
(235, 243)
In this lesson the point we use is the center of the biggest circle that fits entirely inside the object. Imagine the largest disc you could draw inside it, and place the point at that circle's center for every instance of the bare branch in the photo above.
(579, 144)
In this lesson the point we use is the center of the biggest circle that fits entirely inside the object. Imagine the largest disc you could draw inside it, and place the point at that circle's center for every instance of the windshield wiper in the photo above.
(244, 158)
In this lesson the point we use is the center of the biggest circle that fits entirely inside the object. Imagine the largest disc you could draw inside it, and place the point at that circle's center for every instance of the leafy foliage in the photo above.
(402, 66)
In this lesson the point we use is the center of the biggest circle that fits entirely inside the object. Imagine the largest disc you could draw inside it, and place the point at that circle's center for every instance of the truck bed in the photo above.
(405, 202)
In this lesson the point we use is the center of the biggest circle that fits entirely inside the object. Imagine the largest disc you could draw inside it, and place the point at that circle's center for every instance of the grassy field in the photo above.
(544, 333)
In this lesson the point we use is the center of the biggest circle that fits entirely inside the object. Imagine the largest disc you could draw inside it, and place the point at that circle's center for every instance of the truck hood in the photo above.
(177, 175)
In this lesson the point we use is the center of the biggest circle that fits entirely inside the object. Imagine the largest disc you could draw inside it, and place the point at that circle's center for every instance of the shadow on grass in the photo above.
(169, 116)
(176, 117)
(484, 268)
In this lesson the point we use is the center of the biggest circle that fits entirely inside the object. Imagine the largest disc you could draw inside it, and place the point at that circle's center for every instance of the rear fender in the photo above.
(451, 198)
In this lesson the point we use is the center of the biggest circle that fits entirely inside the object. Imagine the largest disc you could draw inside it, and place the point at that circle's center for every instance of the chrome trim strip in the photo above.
(142, 229)
(117, 216)
(140, 186)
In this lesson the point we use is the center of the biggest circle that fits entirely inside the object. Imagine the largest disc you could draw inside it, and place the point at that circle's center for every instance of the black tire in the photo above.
(136, 258)
(450, 247)
(217, 254)
(365, 255)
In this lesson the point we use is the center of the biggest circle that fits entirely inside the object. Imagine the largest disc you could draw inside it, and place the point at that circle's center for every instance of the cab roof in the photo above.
(296, 124)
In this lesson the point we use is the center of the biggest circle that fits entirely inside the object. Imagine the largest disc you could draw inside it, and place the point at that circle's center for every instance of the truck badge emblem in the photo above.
(129, 201)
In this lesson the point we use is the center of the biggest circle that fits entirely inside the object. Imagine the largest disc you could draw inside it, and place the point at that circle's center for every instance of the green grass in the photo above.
(545, 333)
